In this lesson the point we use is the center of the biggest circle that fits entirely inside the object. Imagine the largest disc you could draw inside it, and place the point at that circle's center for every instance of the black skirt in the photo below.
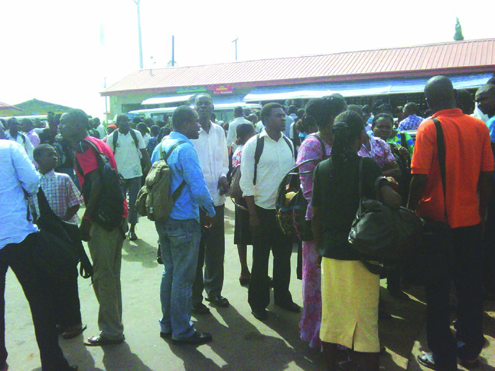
(242, 234)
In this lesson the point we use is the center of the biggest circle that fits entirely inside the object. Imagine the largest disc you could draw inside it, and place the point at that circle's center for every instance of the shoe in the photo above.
(98, 341)
(200, 309)
(426, 359)
(165, 335)
(469, 364)
(219, 301)
(399, 294)
(260, 315)
(196, 339)
(291, 307)
(132, 236)
(244, 281)
(69, 334)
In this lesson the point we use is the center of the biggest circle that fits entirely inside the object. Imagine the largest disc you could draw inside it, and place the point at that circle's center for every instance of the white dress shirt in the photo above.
(275, 161)
(127, 155)
(18, 172)
(214, 159)
(232, 133)
(23, 141)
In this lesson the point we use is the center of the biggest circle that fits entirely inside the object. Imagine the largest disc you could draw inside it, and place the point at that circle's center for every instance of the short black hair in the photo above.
(40, 150)
(383, 115)
(267, 109)
(121, 117)
(238, 111)
(182, 115)
(293, 109)
(465, 101)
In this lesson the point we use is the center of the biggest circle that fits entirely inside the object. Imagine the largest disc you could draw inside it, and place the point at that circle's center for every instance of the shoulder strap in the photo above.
(403, 140)
(322, 144)
(164, 156)
(134, 138)
(177, 192)
(99, 157)
(442, 161)
(289, 143)
(260, 143)
(115, 138)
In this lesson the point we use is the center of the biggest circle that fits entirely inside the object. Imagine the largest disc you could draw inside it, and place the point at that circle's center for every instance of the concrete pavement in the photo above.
(240, 342)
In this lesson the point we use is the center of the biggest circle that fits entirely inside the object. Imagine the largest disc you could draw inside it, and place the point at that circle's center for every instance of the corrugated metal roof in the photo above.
(423, 60)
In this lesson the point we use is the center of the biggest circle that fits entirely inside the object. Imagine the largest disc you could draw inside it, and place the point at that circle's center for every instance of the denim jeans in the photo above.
(132, 186)
(179, 240)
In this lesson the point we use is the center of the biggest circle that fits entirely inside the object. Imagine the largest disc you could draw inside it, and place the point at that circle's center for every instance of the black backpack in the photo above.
(110, 207)
(115, 139)
(291, 206)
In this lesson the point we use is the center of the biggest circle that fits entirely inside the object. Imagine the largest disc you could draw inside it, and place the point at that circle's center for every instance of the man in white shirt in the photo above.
(259, 184)
(211, 147)
(130, 151)
(18, 242)
(232, 133)
(15, 135)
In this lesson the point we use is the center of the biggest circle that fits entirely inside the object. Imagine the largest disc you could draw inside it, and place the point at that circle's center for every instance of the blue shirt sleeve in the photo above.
(491, 127)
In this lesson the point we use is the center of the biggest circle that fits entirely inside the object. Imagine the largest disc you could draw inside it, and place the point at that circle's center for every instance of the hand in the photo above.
(210, 222)
(223, 185)
(393, 183)
(85, 227)
(254, 224)
(404, 152)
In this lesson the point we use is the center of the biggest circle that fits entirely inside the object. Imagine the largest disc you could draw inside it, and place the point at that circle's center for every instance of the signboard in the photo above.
(223, 90)
(191, 89)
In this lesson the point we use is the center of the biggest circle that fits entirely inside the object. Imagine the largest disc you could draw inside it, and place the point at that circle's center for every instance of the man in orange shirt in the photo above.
(469, 168)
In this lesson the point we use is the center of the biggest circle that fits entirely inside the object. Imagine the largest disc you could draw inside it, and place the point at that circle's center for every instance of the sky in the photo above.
(63, 51)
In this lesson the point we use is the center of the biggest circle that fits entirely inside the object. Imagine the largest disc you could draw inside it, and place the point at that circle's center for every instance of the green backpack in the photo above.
(155, 200)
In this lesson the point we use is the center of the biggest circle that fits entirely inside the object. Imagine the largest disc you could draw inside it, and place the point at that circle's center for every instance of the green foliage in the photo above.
(458, 31)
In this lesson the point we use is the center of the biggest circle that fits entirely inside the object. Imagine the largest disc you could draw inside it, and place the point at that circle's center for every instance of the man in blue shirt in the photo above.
(18, 241)
(485, 97)
(181, 233)
(412, 120)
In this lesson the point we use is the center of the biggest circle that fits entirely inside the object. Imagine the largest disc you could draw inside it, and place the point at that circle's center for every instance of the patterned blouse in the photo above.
(410, 123)
(380, 151)
(310, 149)
(236, 157)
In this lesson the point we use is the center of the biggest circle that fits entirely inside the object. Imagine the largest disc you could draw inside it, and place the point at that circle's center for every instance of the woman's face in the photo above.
(382, 128)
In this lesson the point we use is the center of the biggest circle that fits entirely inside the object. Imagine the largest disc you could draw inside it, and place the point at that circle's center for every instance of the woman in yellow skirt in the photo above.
(349, 291)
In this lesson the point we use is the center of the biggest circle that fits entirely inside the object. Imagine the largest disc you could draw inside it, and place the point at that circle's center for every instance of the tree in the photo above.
(458, 31)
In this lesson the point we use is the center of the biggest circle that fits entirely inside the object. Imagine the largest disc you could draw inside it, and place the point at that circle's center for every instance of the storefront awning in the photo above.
(359, 88)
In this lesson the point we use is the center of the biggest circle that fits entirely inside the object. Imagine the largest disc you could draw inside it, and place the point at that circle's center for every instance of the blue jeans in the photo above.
(179, 240)
(132, 185)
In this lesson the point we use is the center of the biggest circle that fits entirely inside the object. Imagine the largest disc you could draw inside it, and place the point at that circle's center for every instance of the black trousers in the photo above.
(489, 249)
(270, 238)
(36, 287)
(458, 259)
(66, 301)
(211, 256)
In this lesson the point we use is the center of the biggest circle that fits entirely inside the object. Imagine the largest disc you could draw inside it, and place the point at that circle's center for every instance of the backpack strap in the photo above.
(289, 143)
(164, 156)
(134, 138)
(99, 157)
(441, 161)
(322, 145)
(115, 139)
(260, 143)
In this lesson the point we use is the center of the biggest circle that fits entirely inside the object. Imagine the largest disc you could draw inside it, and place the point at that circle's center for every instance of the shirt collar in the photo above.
(201, 130)
(265, 134)
(449, 112)
(179, 137)
(50, 174)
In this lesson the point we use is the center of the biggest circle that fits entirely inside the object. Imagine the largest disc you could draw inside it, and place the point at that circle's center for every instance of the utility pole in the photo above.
(137, 2)
(235, 42)
(173, 50)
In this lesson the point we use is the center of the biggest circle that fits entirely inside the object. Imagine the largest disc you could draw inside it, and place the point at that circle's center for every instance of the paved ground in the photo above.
(241, 343)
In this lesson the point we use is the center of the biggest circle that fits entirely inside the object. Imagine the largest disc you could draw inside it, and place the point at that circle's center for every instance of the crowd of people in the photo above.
(349, 145)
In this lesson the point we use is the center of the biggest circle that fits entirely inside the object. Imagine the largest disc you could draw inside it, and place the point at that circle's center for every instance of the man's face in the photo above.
(193, 127)
(382, 128)
(486, 102)
(123, 125)
(277, 120)
(67, 129)
(204, 107)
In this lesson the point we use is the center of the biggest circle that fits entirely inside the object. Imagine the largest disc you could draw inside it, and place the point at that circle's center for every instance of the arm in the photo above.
(254, 220)
(95, 178)
(393, 170)
(24, 168)
(485, 185)
(390, 198)
(71, 211)
(416, 190)
(145, 161)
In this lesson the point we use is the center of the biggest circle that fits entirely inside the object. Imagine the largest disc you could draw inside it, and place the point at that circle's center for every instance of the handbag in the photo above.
(59, 248)
(382, 233)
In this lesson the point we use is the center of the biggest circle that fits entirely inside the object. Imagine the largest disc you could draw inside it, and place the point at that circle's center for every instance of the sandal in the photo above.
(426, 359)
(69, 334)
(98, 341)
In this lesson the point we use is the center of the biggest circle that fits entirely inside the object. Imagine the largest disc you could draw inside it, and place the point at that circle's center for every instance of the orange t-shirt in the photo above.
(468, 152)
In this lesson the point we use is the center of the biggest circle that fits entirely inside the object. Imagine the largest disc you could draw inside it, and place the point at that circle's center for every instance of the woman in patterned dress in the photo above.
(320, 112)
